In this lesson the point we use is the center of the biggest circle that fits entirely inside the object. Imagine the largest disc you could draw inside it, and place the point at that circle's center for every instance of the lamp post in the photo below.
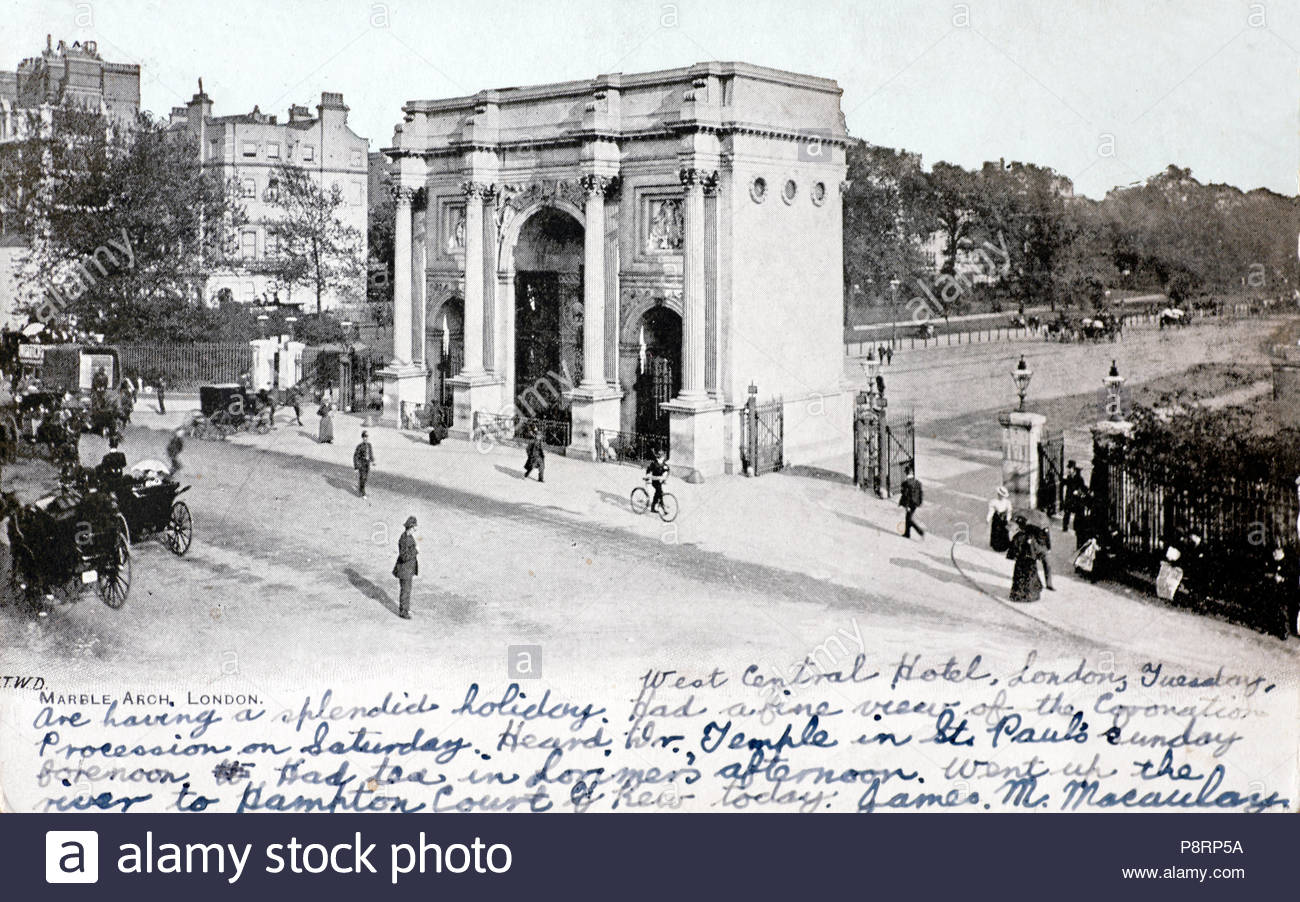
(893, 312)
(289, 321)
(261, 323)
(1021, 376)
(1114, 383)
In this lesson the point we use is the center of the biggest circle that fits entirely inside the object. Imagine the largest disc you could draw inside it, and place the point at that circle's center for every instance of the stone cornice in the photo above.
(669, 131)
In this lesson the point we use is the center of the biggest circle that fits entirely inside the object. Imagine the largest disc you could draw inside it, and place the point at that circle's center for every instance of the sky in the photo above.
(1106, 93)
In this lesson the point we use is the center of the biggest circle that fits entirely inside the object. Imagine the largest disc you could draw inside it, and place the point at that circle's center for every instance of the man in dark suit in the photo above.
(406, 568)
(1074, 493)
(909, 500)
(536, 459)
(362, 460)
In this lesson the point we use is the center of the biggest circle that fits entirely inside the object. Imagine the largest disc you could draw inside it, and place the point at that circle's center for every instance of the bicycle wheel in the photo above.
(640, 500)
(668, 513)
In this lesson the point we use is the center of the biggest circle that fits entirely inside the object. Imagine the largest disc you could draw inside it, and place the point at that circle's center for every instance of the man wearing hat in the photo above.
(406, 568)
(362, 460)
(1074, 496)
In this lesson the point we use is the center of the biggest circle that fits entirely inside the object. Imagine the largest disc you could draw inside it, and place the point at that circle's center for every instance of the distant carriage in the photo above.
(227, 409)
(1172, 316)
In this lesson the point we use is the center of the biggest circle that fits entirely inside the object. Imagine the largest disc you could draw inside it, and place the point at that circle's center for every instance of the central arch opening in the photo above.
(548, 314)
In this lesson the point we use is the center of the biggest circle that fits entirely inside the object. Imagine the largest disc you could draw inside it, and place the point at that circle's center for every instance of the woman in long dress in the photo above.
(998, 517)
(1026, 550)
(325, 435)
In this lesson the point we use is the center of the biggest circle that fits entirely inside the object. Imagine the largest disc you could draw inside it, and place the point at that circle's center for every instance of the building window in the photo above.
(250, 148)
(273, 151)
(250, 292)
(356, 194)
(309, 152)
(248, 188)
(356, 158)
(248, 244)
(215, 149)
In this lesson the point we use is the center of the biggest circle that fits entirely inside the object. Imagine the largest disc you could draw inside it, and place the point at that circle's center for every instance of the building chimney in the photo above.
(332, 102)
(299, 113)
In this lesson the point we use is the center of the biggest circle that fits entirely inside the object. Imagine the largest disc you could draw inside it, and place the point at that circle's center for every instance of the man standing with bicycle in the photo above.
(657, 472)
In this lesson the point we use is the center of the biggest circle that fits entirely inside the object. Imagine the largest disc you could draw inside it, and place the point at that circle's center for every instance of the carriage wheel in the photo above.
(124, 528)
(115, 581)
(180, 529)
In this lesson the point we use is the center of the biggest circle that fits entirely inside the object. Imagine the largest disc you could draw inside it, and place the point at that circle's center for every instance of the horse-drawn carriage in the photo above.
(80, 538)
(40, 424)
(69, 543)
(1173, 316)
(227, 409)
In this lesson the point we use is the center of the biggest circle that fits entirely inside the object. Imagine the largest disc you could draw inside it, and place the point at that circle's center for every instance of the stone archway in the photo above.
(545, 269)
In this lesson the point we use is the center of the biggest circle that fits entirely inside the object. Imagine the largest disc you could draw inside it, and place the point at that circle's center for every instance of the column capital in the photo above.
(403, 195)
(604, 185)
(705, 178)
(484, 190)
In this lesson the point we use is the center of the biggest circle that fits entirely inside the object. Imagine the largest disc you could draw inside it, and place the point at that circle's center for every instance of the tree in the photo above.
(118, 223)
(885, 217)
(318, 250)
(954, 203)
(380, 239)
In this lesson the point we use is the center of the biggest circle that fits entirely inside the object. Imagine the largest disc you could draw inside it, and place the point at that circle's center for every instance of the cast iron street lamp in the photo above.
(289, 321)
(261, 323)
(1021, 376)
(1114, 383)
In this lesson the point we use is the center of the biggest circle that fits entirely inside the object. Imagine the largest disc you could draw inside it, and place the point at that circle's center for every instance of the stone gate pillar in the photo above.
(1021, 433)
(594, 403)
(694, 419)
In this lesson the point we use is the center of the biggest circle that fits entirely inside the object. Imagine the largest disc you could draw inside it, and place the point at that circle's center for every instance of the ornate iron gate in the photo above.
(1051, 470)
(900, 446)
(866, 443)
(762, 439)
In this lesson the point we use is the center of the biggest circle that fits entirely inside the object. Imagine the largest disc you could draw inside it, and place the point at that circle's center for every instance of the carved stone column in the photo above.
(694, 182)
(594, 404)
(593, 280)
(402, 275)
(404, 381)
(694, 419)
(476, 194)
(477, 390)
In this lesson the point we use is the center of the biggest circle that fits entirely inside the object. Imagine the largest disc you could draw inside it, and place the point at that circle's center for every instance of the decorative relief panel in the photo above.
(662, 225)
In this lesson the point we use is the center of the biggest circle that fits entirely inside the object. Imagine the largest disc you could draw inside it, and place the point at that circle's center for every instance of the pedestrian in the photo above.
(295, 399)
(363, 458)
(536, 459)
(162, 395)
(325, 432)
(406, 568)
(889, 355)
(910, 499)
(1047, 492)
(999, 517)
(174, 448)
(1026, 550)
(266, 401)
(126, 399)
(1073, 494)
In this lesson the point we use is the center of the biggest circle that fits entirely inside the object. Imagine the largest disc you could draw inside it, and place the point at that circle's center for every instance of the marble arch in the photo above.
(713, 190)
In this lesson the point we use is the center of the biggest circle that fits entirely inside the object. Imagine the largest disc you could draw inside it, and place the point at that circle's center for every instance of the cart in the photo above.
(227, 409)
(69, 544)
(146, 497)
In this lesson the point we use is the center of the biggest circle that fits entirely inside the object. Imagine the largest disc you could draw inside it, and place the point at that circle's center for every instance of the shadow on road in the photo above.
(512, 472)
(818, 473)
(343, 485)
(369, 589)
(858, 521)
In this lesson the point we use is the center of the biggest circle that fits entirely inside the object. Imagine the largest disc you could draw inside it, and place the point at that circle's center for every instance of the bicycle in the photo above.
(641, 503)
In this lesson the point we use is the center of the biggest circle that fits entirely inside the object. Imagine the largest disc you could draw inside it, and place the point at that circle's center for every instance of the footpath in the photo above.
(822, 527)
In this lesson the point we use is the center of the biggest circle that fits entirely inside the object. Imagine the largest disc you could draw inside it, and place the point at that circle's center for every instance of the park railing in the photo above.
(519, 430)
(613, 446)
(1147, 508)
(187, 366)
